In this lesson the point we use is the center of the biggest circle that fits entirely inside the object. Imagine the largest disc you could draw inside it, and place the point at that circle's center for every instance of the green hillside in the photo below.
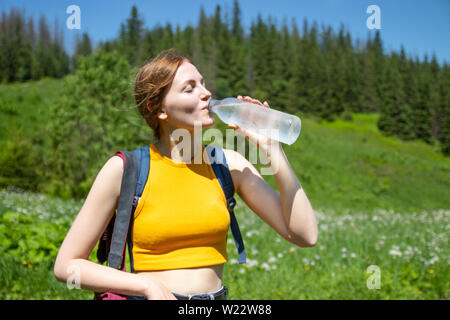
(379, 202)
(342, 165)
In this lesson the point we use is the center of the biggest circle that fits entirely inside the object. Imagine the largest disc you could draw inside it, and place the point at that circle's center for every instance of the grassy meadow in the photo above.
(379, 202)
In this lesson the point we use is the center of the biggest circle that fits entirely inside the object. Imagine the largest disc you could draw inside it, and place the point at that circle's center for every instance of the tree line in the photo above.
(313, 70)
(29, 51)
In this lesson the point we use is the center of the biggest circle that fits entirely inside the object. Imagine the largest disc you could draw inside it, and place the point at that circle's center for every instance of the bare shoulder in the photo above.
(240, 168)
(235, 160)
(114, 165)
(108, 181)
(113, 170)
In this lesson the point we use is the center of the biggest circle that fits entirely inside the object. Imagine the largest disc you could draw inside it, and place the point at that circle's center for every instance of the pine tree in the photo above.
(294, 83)
(417, 92)
(238, 59)
(42, 60)
(396, 116)
(444, 135)
(223, 56)
(130, 37)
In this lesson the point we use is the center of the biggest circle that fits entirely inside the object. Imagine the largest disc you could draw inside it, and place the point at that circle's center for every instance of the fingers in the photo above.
(255, 101)
(249, 99)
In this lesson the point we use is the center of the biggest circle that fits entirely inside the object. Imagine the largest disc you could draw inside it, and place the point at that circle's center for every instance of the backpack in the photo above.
(117, 236)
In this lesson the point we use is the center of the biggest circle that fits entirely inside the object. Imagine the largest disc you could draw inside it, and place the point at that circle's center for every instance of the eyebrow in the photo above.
(192, 80)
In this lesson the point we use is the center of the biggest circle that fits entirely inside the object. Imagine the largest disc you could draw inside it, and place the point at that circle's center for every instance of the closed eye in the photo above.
(190, 85)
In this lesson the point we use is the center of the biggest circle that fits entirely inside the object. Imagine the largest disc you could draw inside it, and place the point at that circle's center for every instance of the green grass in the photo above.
(379, 201)
(351, 166)
(410, 249)
(24, 106)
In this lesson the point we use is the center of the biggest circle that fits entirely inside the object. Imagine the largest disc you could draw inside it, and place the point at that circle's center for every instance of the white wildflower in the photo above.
(252, 263)
(395, 251)
(433, 260)
(265, 266)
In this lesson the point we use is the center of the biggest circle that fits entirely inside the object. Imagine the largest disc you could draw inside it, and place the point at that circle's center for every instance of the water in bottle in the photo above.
(268, 122)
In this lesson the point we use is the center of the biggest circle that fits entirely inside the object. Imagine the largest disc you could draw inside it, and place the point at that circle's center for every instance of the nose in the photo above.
(205, 94)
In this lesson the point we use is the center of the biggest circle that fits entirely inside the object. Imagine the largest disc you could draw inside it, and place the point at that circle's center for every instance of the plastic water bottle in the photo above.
(258, 119)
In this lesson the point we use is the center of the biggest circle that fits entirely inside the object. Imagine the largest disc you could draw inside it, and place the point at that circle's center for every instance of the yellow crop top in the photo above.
(182, 219)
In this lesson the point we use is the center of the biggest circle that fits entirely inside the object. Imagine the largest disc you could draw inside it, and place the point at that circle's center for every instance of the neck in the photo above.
(185, 148)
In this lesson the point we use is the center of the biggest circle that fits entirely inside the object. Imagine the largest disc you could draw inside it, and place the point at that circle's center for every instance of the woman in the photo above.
(180, 249)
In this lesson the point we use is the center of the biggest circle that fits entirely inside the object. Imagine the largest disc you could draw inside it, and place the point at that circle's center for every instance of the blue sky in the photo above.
(420, 26)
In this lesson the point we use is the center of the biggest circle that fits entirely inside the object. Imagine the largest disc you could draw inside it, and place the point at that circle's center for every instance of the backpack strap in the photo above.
(222, 172)
(136, 169)
(124, 210)
(143, 158)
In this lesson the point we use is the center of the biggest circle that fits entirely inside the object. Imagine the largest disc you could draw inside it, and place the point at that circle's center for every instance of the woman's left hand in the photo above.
(260, 141)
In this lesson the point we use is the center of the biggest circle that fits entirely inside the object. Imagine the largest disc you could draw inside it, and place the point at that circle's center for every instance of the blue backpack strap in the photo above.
(220, 167)
(137, 165)
(124, 211)
(143, 161)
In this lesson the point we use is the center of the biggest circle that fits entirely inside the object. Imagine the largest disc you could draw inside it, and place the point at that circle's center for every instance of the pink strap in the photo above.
(120, 154)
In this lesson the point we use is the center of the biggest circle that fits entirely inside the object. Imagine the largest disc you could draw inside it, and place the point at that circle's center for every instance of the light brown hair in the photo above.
(152, 82)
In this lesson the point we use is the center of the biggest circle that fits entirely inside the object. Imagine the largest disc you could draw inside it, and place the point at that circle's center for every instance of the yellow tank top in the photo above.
(181, 220)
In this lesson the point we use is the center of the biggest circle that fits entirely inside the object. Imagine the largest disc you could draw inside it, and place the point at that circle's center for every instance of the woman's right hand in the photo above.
(158, 291)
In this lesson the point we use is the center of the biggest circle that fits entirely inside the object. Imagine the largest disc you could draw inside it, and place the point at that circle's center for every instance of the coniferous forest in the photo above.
(311, 68)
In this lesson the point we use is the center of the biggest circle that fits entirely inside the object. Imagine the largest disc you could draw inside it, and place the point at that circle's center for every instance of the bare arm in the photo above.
(289, 212)
(84, 233)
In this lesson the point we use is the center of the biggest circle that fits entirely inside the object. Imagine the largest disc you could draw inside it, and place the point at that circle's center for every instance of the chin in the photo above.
(210, 123)
(204, 123)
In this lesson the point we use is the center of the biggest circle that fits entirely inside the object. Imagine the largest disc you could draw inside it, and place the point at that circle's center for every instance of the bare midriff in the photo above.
(189, 281)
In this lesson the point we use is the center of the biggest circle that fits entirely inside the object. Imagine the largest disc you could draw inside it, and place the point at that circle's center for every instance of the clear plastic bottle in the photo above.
(268, 122)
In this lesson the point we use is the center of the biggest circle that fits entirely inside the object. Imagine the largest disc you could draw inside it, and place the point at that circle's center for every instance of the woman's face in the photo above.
(186, 101)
